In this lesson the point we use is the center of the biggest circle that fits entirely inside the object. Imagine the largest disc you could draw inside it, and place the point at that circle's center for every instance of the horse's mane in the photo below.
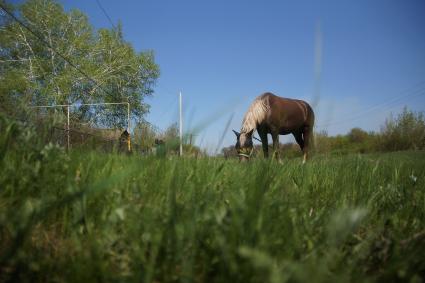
(256, 113)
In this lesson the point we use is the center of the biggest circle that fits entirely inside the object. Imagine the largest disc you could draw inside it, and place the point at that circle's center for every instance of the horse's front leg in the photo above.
(275, 137)
(264, 143)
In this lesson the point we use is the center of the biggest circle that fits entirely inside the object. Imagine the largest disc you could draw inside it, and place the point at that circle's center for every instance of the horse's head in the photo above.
(244, 145)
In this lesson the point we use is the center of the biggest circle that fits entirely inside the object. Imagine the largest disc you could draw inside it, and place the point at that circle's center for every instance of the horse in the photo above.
(271, 114)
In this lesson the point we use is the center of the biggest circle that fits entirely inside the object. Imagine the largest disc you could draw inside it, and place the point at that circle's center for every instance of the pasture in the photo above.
(90, 216)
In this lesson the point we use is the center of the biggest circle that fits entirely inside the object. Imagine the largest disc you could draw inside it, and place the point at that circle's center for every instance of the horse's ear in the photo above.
(236, 133)
(250, 132)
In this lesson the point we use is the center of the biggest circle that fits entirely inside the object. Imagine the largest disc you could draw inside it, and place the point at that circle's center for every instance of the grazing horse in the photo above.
(271, 114)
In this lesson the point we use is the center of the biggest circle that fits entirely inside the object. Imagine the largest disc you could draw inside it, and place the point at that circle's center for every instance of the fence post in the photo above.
(128, 117)
(128, 128)
(181, 124)
(129, 143)
(67, 127)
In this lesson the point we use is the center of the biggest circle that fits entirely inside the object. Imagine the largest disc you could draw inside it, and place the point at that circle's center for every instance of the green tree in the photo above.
(144, 135)
(357, 135)
(406, 131)
(172, 132)
(32, 73)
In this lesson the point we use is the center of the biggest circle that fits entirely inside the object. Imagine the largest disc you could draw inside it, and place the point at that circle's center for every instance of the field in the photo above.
(96, 217)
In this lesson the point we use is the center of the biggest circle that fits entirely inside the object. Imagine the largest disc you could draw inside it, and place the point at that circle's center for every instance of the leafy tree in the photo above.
(406, 131)
(144, 135)
(172, 132)
(322, 141)
(357, 135)
(32, 73)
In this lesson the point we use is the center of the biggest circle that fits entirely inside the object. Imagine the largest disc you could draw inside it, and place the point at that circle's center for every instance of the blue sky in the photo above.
(222, 54)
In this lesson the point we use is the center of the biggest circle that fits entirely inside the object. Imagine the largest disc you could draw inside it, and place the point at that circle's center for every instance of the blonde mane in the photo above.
(256, 114)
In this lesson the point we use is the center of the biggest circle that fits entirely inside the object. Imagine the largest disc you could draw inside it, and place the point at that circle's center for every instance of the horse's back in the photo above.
(291, 112)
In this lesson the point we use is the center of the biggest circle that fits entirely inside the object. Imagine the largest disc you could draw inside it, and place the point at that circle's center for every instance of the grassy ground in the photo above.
(89, 216)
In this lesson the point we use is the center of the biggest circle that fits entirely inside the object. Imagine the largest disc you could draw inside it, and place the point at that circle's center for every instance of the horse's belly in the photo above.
(289, 127)
(285, 132)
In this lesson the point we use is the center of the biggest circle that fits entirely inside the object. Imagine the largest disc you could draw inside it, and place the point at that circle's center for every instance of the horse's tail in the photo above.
(311, 118)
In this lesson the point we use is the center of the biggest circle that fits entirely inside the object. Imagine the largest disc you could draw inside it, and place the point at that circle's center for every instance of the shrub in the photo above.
(406, 131)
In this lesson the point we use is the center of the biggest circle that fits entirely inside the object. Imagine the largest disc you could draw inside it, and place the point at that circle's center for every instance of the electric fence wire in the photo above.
(106, 14)
(411, 92)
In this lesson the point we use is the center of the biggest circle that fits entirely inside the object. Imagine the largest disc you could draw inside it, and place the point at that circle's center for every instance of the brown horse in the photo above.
(271, 114)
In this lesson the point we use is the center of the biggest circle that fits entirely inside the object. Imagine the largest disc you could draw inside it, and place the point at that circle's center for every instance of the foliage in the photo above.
(149, 139)
(144, 135)
(357, 135)
(171, 137)
(171, 133)
(32, 73)
(406, 131)
(356, 141)
(88, 216)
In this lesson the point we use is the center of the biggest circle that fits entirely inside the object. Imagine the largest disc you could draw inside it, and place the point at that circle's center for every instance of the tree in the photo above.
(145, 135)
(172, 132)
(357, 135)
(406, 131)
(32, 73)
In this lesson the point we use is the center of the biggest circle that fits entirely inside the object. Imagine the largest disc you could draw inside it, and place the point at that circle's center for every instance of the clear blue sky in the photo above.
(221, 54)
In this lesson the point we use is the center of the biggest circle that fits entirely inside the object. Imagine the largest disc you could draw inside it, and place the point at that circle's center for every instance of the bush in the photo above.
(406, 131)
(357, 135)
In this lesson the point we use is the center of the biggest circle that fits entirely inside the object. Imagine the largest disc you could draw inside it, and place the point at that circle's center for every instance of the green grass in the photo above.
(90, 216)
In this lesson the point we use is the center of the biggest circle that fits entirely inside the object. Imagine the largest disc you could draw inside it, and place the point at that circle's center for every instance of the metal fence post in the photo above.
(67, 127)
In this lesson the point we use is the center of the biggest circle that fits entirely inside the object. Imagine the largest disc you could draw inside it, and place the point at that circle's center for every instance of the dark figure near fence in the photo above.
(160, 150)
(125, 142)
(271, 114)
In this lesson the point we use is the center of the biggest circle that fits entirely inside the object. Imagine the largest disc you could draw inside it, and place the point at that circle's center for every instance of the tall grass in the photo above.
(91, 216)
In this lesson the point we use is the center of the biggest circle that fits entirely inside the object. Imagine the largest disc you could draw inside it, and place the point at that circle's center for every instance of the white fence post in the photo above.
(67, 128)
(181, 124)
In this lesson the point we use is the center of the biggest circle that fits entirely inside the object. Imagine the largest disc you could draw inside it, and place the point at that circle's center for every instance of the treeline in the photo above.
(151, 139)
(406, 131)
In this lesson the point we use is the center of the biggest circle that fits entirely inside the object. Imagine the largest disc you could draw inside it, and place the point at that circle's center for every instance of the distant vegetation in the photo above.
(148, 139)
(406, 131)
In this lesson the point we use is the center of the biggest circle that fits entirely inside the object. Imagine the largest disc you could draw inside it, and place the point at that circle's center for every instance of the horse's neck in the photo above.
(247, 127)
(256, 113)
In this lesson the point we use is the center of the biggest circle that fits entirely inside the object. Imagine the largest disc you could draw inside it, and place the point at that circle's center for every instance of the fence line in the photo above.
(80, 138)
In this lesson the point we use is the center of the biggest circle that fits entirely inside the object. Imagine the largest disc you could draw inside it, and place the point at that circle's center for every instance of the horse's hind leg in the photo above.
(301, 142)
(307, 136)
